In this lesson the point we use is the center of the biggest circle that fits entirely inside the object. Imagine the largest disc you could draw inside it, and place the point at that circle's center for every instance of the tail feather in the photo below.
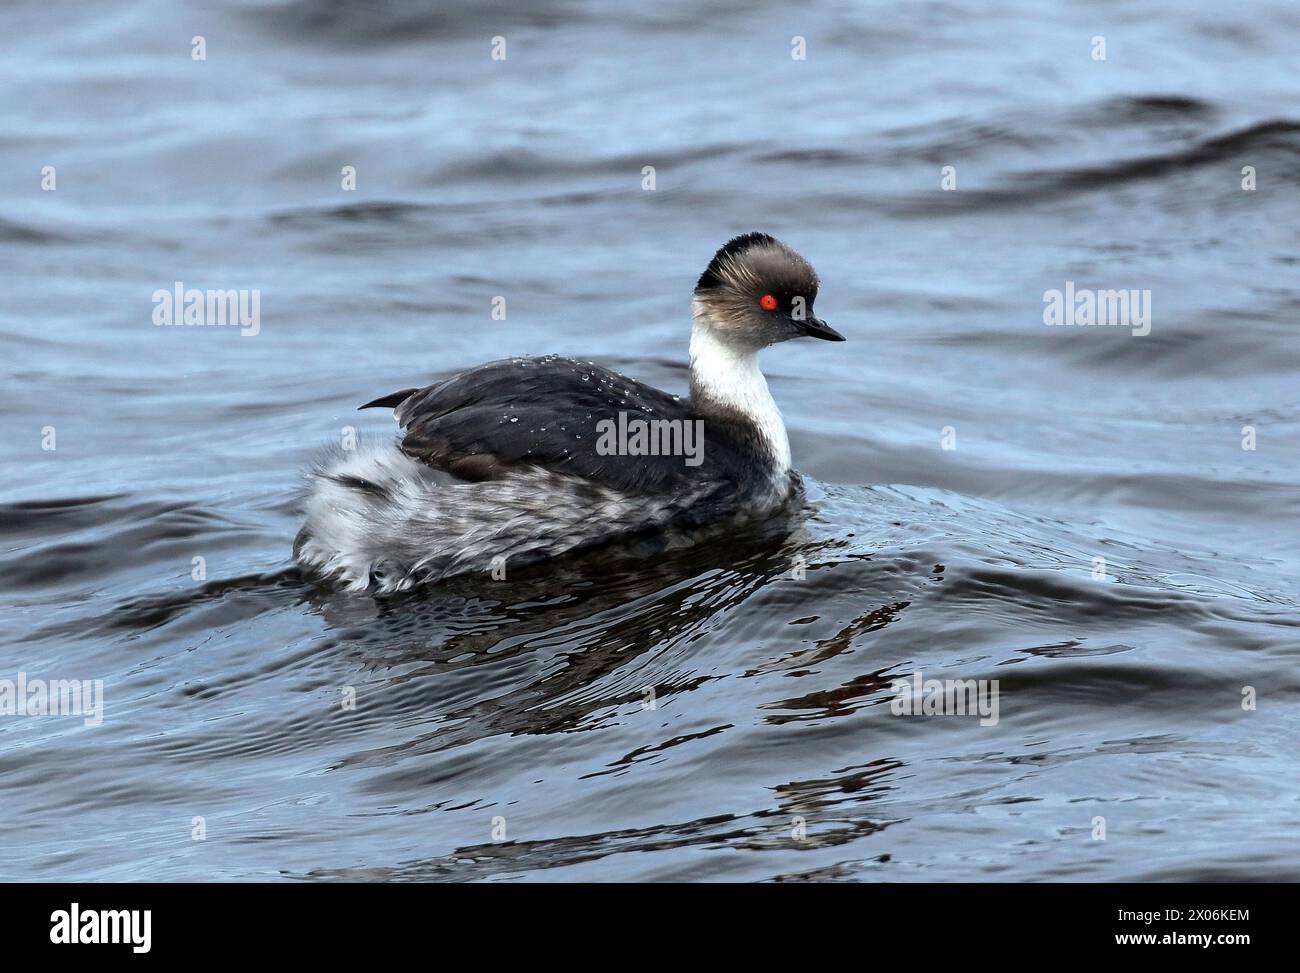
(390, 401)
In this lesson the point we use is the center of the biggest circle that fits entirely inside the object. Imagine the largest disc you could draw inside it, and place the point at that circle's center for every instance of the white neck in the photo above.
(724, 375)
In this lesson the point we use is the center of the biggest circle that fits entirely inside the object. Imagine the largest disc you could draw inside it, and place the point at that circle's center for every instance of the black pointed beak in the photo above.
(817, 328)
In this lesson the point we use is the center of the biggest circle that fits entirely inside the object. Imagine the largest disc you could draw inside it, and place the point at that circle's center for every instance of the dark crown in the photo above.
(758, 262)
(712, 276)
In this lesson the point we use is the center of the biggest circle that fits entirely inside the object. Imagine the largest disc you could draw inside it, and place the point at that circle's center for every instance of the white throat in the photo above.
(728, 376)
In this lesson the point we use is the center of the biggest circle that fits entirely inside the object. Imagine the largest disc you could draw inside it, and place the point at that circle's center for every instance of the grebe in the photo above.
(524, 459)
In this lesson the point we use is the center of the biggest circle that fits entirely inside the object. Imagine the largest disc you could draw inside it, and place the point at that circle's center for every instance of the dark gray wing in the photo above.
(546, 412)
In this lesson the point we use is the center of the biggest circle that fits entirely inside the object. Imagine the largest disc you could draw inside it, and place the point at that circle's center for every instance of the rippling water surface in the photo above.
(524, 701)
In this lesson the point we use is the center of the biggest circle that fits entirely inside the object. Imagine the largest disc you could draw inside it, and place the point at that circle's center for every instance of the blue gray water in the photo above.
(519, 705)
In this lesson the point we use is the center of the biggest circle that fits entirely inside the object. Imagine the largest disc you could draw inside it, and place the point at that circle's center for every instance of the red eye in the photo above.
(767, 302)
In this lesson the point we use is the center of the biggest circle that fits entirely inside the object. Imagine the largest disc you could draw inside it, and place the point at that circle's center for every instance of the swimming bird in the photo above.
(524, 459)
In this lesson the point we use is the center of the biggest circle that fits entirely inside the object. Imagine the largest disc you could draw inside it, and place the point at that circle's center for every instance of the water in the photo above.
(1120, 695)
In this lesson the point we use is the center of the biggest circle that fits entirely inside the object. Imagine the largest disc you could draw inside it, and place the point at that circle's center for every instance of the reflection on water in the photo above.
(1098, 541)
